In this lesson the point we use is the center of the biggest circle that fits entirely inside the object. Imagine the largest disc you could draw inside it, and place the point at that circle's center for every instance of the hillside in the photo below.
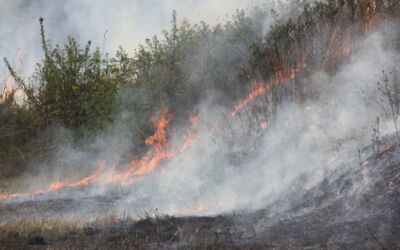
(354, 207)
(274, 129)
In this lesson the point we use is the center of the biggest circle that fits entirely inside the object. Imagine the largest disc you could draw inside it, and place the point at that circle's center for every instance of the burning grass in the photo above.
(317, 218)
(308, 211)
(127, 174)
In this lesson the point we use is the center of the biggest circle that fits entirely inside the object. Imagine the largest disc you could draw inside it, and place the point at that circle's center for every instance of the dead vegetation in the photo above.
(328, 215)
(345, 210)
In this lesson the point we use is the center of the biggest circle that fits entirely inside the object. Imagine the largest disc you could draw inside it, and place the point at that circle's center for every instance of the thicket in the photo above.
(82, 90)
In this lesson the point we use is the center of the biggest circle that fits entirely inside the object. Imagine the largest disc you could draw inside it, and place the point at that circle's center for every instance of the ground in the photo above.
(354, 207)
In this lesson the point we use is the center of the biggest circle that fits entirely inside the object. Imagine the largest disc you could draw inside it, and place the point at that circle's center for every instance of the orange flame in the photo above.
(259, 87)
(135, 170)
(83, 182)
(10, 196)
(156, 154)
(201, 207)
(7, 91)
(264, 125)
(194, 119)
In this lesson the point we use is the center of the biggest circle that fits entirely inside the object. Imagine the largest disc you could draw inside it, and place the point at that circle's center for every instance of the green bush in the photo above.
(84, 91)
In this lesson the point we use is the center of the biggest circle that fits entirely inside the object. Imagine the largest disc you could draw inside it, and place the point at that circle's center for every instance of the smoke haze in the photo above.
(108, 24)
(311, 139)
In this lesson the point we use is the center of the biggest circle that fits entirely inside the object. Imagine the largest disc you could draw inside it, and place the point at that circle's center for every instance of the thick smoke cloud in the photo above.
(310, 139)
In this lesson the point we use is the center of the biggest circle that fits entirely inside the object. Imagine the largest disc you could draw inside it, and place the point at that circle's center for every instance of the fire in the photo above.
(340, 41)
(264, 125)
(6, 92)
(201, 207)
(259, 88)
(386, 148)
(10, 87)
(83, 182)
(346, 50)
(372, 17)
(159, 151)
(159, 138)
(9, 196)
(197, 207)
(194, 119)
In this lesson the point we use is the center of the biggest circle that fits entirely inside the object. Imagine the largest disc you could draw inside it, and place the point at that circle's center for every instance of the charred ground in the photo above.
(75, 94)
(314, 218)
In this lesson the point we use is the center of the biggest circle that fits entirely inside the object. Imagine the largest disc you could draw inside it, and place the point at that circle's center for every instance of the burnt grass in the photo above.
(355, 207)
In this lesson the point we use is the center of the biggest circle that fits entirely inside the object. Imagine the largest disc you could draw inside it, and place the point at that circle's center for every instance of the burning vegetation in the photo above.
(129, 173)
(206, 121)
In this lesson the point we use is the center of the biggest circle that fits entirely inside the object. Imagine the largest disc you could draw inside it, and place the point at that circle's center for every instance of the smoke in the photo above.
(311, 139)
(107, 24)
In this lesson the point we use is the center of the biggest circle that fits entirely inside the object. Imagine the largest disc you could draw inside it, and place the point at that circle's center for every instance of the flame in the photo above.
(10, 86)
(196, 208)
(259, 87)
(159, 151)
(346, 50)
(386, 148)
(372, 18)
(10, 196)
(159, 138)
(83, 182)
(332, 43)
(194, 119)
(264, 125)
(201, 207)
(6, 92)
(340, 41)
(343, 45)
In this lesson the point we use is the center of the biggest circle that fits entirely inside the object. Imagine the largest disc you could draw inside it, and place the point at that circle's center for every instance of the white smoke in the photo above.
(312, 139)
(108, 24)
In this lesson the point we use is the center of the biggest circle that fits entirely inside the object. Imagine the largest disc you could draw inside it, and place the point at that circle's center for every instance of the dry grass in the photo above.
(120, 233)
(32, 227)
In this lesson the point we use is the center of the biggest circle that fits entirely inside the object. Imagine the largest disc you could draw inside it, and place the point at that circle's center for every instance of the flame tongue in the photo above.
(259, 87)
(159, 138)
(159, 151)
(10, 196)
(136, 169)
(83, 182)
(156, 154)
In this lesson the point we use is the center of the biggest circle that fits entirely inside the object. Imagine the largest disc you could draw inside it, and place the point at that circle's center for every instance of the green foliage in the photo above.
(18, 127)
(71, 87)
(83, 90)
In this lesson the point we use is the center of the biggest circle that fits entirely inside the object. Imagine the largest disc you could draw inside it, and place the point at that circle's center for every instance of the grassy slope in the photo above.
(349, 209)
